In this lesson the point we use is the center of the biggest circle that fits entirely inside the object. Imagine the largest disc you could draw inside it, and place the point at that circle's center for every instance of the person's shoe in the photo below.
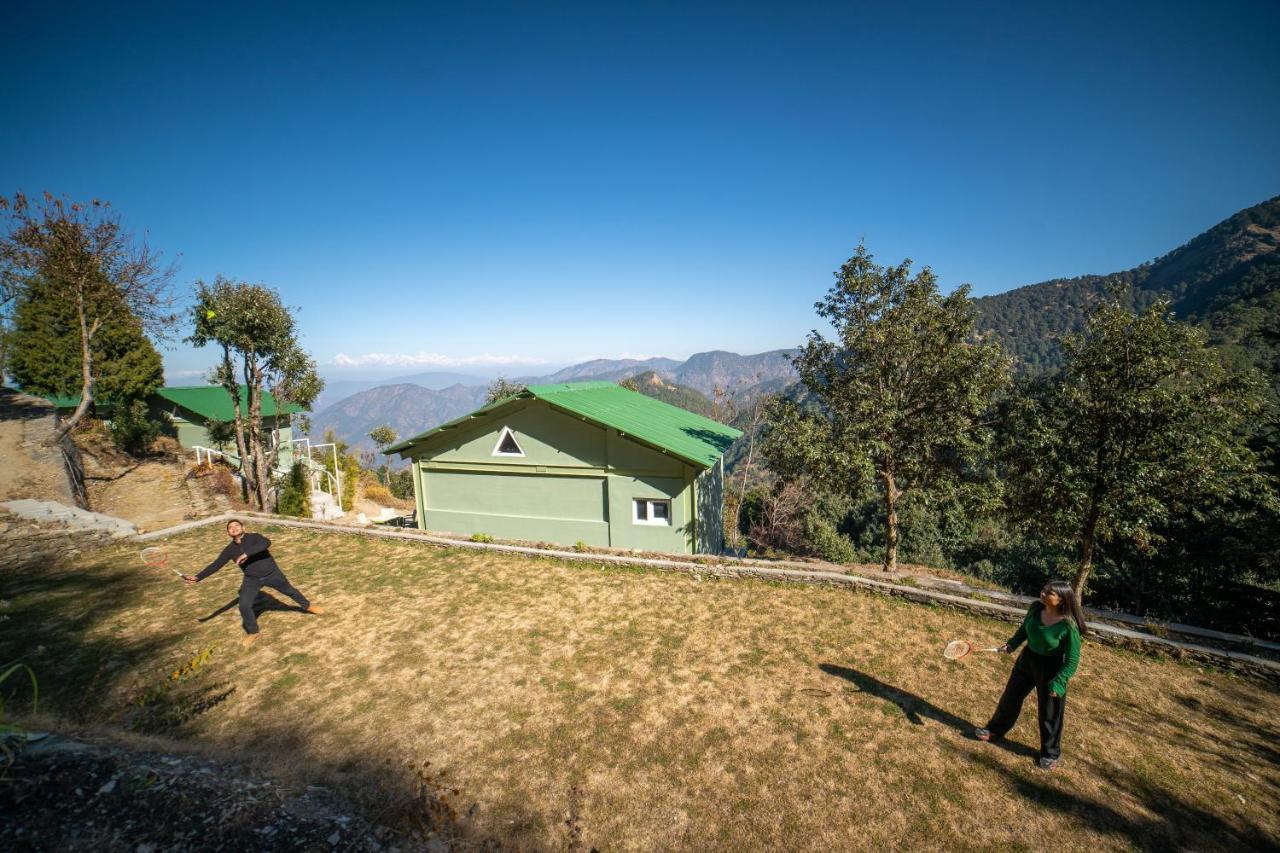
(982, 734)
(1048, 763)
(313, 609)
(249, 639)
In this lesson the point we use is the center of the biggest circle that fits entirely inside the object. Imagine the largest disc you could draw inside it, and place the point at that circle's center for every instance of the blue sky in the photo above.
(471, 186)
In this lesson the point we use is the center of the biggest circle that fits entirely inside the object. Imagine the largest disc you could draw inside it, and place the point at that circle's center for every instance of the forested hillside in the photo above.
(1226, 279)
(652, 385)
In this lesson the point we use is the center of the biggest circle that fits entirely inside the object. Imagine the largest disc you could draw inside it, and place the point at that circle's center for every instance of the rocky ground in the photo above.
(68, 795)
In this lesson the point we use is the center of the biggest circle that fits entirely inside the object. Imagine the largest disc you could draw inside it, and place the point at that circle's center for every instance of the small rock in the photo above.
(335, 838)
(107, 788)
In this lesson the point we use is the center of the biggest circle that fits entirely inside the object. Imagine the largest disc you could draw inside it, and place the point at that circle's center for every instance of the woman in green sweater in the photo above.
(1052, 630)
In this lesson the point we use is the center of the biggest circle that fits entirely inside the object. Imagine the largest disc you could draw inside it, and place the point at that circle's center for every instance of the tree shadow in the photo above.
(15, 405)
(915, 709)
(97, 670)
(1177, 824)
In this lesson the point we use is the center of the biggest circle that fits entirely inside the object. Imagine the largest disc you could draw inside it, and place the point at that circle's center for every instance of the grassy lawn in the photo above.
(542, 704)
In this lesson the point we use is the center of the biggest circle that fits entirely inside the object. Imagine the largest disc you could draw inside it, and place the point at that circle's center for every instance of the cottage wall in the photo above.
(575, 482)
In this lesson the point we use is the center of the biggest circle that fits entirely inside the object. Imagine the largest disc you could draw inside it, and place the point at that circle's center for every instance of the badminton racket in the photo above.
(158, 558)
(957, 649)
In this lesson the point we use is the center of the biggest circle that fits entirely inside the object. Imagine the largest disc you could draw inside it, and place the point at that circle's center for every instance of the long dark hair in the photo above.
(1070, 605)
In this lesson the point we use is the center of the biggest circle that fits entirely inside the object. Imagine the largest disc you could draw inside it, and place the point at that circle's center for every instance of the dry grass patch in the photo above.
(543, 704)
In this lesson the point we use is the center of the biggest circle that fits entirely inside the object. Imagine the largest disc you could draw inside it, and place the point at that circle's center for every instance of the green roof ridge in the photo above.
(689, 436)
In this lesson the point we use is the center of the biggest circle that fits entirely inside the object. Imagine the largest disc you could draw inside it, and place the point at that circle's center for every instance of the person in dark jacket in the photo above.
(1052, 630)
(251, 554)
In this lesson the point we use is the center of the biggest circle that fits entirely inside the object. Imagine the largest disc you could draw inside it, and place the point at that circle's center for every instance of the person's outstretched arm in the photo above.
(221, 560)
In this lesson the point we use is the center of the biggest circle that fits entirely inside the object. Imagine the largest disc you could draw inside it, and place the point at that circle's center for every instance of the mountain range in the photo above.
(410, 407)
(1226, 280)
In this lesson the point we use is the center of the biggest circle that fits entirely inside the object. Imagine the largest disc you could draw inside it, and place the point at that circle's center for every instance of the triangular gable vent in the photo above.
(507, 445)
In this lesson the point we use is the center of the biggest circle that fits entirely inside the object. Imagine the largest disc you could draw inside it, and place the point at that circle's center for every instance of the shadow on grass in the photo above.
(917, 710)
(1178, 824)
(262, 604)
(67, 625)
(98, 668)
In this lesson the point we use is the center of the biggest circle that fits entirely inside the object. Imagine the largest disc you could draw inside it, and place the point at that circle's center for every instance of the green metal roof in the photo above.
(207, 401)
(213, 401)
(692, 438)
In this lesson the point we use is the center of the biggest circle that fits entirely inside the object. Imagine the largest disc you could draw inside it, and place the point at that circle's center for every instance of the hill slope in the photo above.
(409, 409)
(1225, 279)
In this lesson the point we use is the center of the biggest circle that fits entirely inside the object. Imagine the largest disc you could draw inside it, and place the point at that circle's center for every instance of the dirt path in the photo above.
(152, 493)
(29, 468)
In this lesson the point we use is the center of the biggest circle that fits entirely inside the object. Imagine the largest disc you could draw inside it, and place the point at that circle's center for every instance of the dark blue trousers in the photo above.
(249, 591)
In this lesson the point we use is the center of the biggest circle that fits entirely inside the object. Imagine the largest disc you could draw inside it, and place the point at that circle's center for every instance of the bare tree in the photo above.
(99, 266)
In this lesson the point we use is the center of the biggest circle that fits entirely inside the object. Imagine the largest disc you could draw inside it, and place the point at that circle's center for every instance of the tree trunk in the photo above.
(247, 486)
(1087, 536)
(86, 373)
(891, 495)
(254, 380)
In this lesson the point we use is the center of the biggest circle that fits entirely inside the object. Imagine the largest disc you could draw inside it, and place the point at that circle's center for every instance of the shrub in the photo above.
(378, 494)
(481, 537)
(132, 428)
(401, 483)
(580, 546)
(295, 496)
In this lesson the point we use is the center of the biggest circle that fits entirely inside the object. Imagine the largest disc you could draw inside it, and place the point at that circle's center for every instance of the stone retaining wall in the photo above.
(38, 532)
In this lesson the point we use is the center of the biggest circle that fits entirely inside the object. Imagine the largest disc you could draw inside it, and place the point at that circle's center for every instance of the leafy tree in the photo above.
(295, 496)
(221, 433)
(92, 264)
(256, 334)
(133, 429)
(500, 389)
(44, 349)
(384, 436)
(401, 484)
(897, 399)
(1143, 426)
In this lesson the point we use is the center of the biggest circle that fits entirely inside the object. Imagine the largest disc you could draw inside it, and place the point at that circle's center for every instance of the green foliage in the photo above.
(897, 399)
(481, 537)
(68, 259)
(133, 428)
(44, 355)
(221, 433)
(1143, 425)
(383, 436)
(500, 389)
(400, 484)
(254, 329)
(295, 494)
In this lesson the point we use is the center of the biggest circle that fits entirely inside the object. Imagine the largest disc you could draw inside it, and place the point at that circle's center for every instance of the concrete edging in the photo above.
(734, 567)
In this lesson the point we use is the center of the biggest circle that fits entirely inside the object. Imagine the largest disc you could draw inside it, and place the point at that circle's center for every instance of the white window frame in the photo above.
(648, 508)
(497, 448)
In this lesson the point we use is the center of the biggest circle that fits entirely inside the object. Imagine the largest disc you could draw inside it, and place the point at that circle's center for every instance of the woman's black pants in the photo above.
(1032, 671)
(249, 591)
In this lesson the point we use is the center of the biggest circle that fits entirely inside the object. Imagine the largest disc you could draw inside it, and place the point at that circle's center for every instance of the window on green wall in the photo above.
(507, 445)
(647, 511)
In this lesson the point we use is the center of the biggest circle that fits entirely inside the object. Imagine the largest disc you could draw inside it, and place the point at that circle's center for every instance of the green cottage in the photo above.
(580, 461)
